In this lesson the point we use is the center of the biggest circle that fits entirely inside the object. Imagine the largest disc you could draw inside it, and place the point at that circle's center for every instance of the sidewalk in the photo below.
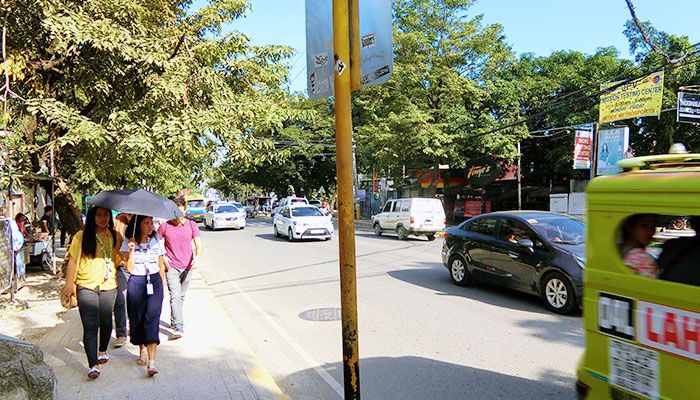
(212, 360)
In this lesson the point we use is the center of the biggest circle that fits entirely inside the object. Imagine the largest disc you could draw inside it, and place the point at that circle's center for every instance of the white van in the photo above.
(414, 216)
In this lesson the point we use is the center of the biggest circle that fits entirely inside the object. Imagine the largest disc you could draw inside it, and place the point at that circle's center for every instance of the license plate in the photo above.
(634, 368)
(317, 231)
(231, 224)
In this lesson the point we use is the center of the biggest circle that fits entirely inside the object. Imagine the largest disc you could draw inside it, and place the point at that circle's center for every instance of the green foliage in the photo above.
(132, 90)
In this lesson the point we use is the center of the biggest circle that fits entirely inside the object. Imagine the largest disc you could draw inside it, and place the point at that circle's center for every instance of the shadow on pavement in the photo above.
(388, 236)
(421, 378)
(435, 276)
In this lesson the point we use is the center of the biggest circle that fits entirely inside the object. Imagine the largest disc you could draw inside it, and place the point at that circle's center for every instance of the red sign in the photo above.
(582, 149)
(669, 329)
(473, 208)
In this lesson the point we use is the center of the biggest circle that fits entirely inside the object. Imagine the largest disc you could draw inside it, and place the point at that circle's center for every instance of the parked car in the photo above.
(536, 252)
(302, 222)
(224, 215)
(413, 216)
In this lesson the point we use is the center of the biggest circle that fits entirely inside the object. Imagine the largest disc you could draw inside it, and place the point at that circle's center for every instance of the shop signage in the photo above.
(638, 98)
(582, 149)
(482, 171)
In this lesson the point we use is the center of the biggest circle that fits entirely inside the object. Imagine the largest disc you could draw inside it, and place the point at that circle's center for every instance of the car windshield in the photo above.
(559, 229)
(195, 204)
(227, 208)
(306, 212)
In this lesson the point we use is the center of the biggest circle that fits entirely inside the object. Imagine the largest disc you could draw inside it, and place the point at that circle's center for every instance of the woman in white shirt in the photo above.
(144, 296)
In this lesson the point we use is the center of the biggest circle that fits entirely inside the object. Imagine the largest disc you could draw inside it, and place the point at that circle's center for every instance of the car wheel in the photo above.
(431, 237)
(401, 232)
(557, 293)
(377, 229)
(291, 235)
(274, 228)
(458, 271)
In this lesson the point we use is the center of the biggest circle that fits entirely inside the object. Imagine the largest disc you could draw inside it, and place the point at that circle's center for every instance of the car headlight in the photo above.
(581, 261)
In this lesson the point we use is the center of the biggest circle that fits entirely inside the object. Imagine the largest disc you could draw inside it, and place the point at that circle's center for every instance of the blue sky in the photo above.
(537, 26)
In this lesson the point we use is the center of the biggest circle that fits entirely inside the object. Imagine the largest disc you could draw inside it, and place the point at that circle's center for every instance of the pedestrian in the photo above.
(91, 275)
(120, 223)
(144, 260)
(47, 220)
(179, 235)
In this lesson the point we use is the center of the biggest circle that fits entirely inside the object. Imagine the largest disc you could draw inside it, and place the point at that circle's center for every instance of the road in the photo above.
(420, 336)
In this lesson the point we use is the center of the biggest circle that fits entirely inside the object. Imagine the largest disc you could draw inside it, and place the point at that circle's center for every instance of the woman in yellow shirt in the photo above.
(91, 275)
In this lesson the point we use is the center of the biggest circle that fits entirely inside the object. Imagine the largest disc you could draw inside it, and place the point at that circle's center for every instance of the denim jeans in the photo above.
(178, 282)
(120, 302)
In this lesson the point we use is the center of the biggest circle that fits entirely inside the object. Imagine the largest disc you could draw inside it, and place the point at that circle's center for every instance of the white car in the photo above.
(412, 216)
(302, 222)
(224, 215)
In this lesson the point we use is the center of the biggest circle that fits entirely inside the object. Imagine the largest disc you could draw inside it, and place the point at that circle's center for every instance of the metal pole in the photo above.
(346, 221)
(520, 189)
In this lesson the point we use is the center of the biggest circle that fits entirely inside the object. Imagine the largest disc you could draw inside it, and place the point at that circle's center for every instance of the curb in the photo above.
(259, 377)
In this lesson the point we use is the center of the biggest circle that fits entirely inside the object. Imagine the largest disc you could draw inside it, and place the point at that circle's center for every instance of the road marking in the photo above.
(292, 342)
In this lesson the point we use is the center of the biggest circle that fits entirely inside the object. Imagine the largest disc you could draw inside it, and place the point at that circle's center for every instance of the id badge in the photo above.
(149, 288)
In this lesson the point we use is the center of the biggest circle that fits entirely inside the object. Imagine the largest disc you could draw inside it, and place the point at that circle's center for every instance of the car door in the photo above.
(208, 215)
(283, 222)
(394, 214)
(383, 216)
(518, 263)
(478, 242)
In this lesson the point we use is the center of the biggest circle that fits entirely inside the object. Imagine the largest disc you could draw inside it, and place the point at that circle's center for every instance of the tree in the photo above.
(303, 158)
(435, 101)
(125, 91)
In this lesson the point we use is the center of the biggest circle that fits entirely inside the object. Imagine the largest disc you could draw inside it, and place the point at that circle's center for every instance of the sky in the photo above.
(537, 26)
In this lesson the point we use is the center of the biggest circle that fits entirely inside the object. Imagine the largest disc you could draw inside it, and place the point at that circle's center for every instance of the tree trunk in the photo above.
(432, 189)
(67, 209)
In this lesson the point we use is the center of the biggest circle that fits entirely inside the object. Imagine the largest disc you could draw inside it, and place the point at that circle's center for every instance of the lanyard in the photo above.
(108, 269)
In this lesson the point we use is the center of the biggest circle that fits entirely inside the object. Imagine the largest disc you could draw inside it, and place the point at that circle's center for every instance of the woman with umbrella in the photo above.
(144, 295)
(91, 275)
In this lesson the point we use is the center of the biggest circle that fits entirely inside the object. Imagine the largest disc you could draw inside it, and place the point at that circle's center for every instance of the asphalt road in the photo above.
(420, 336)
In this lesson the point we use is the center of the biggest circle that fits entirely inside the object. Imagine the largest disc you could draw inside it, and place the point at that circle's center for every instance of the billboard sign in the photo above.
(688, 107)
(376, 46)
(582, 149)
(638, 98)
(612, 146)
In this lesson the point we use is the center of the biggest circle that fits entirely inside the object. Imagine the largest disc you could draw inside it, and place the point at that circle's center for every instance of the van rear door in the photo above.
(428, 215)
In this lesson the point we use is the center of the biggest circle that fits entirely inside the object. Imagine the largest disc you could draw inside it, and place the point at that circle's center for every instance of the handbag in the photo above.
(71, 301)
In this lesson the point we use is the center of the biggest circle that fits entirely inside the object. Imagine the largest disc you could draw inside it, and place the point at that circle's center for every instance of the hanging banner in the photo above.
(639, 98)
(612, 147)
(582, 149)
(688, 107)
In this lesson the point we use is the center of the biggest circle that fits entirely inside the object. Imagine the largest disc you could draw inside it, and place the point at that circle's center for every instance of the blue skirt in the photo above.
(144, 309)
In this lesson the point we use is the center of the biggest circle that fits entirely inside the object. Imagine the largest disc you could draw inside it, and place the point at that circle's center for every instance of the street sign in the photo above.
(376, 46)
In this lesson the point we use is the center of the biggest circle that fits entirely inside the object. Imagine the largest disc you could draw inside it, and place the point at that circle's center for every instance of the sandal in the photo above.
(93, 373)
(103, 359)
(143, 358)
(152, 368)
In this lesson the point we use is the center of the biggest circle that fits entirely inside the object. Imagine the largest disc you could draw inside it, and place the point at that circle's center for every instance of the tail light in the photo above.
(444, 235)
(582, 390)
(444, 221)
(411, 220)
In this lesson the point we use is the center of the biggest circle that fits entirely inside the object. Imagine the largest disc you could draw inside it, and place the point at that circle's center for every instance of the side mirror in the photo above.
(526, 243)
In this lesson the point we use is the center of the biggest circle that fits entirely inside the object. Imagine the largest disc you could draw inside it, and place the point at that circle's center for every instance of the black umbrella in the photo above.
(137, 201)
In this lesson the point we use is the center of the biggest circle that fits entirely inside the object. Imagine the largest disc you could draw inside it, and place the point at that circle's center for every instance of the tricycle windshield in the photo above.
(560, 229)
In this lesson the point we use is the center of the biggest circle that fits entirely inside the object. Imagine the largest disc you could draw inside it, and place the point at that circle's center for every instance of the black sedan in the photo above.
(535, 252)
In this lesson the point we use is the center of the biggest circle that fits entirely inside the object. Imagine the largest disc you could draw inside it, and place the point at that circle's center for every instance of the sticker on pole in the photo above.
(340, 67)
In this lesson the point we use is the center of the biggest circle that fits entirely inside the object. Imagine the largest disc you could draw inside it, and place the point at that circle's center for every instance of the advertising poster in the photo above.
(612, 147)
(582, 149)
(638, 98)
(688, 107)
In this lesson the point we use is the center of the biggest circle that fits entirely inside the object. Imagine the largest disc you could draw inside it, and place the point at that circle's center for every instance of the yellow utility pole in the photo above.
(346, 201)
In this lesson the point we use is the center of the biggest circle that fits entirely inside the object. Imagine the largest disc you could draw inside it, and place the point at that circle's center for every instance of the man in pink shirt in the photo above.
(179, 236)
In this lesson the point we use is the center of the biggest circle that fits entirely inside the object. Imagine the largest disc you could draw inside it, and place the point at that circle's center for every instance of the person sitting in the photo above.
(680, 258)
(637, 233)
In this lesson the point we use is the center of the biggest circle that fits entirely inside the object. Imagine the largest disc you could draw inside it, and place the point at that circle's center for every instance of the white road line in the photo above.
(292, 342)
